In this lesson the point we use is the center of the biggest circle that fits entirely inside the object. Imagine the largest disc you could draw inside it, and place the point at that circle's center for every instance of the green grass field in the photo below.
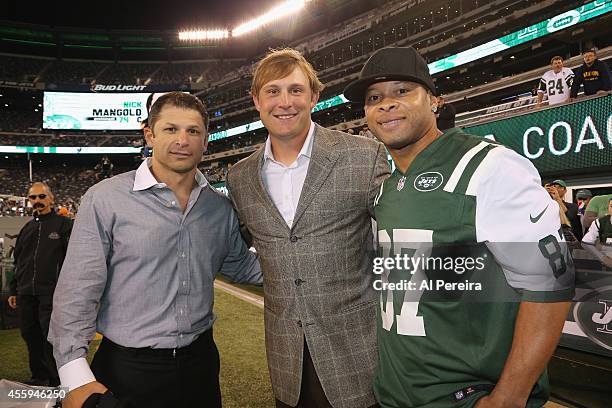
(239, 334)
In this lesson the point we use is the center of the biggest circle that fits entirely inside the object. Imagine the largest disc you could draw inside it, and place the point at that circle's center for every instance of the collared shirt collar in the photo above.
(306, 148)
(144, 179)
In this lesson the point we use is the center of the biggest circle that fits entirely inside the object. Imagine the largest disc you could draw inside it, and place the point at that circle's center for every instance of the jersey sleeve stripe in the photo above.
(451, 184)
(542, 87)
(482, 171)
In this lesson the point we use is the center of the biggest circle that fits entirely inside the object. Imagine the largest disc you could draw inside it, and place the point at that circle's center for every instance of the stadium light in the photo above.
(203, 35)
(280, 11)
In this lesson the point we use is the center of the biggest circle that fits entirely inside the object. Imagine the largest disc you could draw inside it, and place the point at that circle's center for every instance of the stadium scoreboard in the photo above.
(94, 111)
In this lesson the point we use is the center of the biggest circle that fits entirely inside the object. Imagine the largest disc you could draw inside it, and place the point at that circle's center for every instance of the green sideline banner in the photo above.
(566, 138)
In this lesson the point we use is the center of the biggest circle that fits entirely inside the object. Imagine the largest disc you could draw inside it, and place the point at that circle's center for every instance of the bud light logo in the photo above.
(99, 87)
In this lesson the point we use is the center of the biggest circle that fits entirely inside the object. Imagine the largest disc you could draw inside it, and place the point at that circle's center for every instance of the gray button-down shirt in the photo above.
(146, 264)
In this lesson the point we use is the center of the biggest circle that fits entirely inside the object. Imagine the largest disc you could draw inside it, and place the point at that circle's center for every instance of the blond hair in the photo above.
(280, 63)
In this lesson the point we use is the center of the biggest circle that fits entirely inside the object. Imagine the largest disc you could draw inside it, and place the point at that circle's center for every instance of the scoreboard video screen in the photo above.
(94, 111)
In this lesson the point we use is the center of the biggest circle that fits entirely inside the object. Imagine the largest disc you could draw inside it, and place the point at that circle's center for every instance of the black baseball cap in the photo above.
(390, 64)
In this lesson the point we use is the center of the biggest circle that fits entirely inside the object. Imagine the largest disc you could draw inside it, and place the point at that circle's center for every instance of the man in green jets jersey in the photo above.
(476, 326)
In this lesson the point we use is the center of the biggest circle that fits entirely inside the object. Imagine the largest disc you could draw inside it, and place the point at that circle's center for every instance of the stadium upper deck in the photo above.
(438, 28)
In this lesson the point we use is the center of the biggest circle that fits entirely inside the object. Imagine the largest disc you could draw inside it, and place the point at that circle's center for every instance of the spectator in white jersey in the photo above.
(555, 83)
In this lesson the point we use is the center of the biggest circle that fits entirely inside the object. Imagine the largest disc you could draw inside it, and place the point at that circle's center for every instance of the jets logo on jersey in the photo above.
(428, 181)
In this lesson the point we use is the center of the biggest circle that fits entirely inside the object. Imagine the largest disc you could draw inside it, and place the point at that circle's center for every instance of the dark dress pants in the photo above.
(156, 378)
(34, 316)
(311, 390)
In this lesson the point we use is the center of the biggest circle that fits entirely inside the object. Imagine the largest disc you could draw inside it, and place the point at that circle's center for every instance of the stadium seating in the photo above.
(337, 52)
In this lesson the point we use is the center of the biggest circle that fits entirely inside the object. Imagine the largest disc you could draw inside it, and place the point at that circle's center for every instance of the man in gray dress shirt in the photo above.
(144, 252)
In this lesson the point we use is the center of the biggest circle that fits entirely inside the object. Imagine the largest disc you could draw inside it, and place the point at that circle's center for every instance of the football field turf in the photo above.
(239, 334)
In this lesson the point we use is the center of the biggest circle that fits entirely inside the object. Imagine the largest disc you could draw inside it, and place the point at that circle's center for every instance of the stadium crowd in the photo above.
(337, 53)
(236, 93)
(68, 182)
(52, 71)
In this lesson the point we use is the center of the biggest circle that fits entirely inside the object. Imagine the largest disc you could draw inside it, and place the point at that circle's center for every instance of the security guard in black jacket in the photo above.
(39, 253)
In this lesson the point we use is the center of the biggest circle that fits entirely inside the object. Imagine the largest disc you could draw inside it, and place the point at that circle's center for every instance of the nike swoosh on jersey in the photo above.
(537, 218)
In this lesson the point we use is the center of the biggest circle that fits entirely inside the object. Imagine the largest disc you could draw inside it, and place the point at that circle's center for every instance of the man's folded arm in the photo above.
(79, 288)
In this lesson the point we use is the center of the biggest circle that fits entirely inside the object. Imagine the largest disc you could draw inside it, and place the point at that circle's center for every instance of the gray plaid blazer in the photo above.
(318, 274)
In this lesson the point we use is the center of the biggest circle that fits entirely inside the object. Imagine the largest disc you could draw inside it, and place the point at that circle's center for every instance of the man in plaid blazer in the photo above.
(306, 202)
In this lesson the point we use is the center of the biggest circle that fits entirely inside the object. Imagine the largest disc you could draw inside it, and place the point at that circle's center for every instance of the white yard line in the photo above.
(240, 293)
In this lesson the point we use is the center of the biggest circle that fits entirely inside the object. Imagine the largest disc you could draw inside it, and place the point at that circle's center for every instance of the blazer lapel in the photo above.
(322, 161)
(262, 193)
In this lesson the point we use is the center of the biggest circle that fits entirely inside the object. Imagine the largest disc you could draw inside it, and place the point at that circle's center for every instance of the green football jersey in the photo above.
(464, 197)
